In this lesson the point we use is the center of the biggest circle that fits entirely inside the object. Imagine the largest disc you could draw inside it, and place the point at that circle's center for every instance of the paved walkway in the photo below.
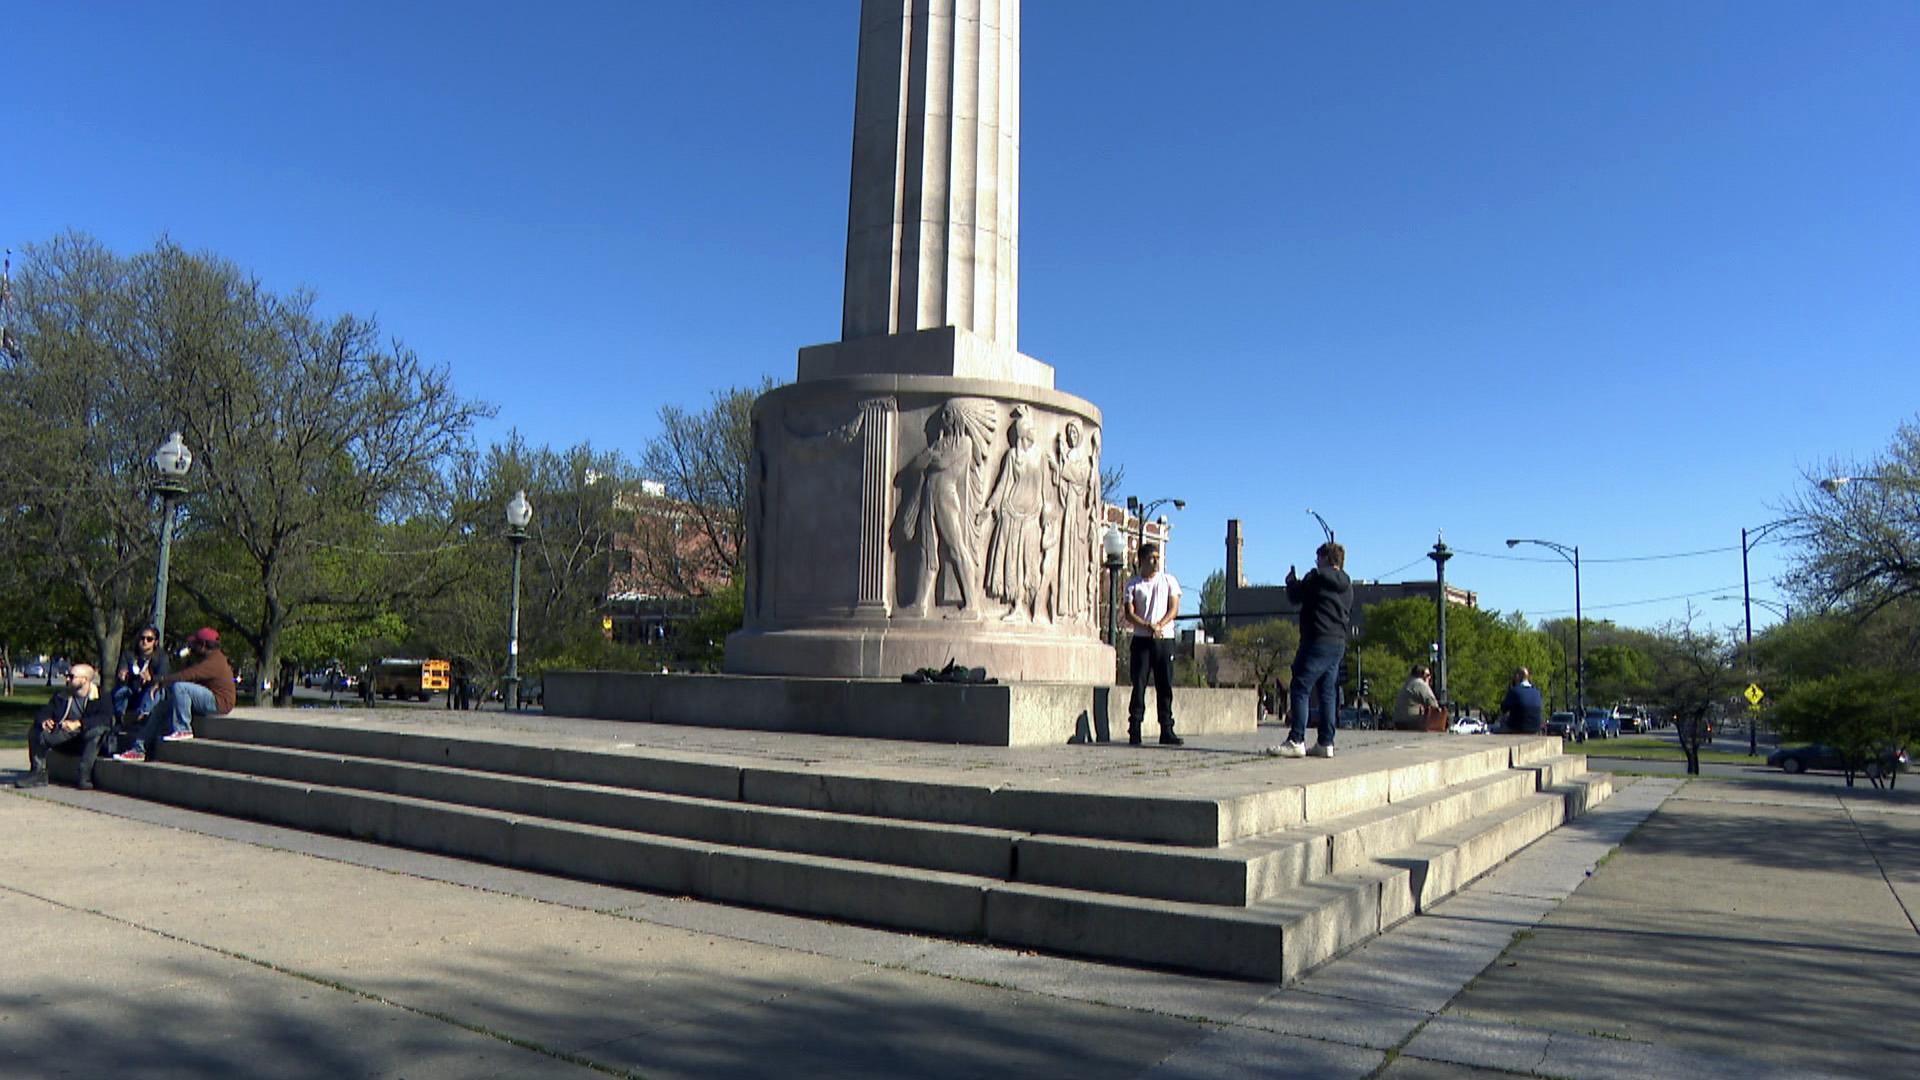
(1744, 930)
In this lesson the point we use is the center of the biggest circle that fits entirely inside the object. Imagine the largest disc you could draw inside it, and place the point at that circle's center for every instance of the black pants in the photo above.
(84, 742)
(1151, 655)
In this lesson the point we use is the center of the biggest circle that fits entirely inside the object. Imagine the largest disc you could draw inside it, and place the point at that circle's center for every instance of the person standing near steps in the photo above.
(1325, 597)
(1153, 599)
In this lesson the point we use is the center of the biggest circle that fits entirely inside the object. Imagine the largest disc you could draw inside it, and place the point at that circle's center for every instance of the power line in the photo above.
(1586, 560)
(1650, 600)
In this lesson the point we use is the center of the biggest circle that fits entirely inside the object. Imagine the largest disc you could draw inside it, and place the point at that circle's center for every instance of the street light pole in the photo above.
(1748, 538)
(170, 464)
(1113, 549)
(1571, 555)
(1440, 554)
(1324, 527)
(1140, 510)
(519, 512)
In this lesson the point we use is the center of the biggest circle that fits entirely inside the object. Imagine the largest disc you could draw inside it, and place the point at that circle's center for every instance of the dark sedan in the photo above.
(1796, 759)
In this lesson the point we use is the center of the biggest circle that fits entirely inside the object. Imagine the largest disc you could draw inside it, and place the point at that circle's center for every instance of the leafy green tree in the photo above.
(1861, 713)
(312, 436)
(1213, 605)
(1265, 649)
(78, 422)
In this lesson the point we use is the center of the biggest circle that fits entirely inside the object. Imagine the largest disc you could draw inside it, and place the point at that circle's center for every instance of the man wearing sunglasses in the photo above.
(72, 721)
(203, 688)
(136, 678)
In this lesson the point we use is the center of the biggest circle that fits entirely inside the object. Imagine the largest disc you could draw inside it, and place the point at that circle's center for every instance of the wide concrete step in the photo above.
(1265, 877)
(958, 848)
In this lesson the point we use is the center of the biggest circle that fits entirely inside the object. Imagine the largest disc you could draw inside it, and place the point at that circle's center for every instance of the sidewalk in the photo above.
(1744, 931)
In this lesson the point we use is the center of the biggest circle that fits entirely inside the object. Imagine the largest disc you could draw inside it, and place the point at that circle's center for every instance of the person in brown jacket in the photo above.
(203, 687)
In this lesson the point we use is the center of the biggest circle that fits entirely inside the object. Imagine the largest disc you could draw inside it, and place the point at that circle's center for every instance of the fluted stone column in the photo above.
(921, 493)
(933, 215)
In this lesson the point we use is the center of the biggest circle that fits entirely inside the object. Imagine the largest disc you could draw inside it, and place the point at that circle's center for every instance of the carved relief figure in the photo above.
(938, 511)
(1013, 556)
(1078, 495)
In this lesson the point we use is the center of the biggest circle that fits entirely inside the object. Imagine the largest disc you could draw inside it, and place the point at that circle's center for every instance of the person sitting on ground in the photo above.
(204, 687)
(72, 721)
(1520, 709)
(136, 678)
(1415, 708)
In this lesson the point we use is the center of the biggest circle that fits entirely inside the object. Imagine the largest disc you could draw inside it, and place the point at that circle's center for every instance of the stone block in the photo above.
(615, 857)
(921, 900)
(1157, 932)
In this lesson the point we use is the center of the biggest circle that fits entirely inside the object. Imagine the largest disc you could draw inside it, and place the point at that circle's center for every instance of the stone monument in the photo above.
(921, 493)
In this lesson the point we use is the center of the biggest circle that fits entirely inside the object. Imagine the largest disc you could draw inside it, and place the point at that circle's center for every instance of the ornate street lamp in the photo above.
(1440, 554)
(1113, 550)
(170, 465)
(519, 512)
(1572, 555)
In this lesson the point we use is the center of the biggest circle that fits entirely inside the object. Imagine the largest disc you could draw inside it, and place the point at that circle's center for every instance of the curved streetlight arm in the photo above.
(1572, 555)
(1750, 538)
(1324, 527)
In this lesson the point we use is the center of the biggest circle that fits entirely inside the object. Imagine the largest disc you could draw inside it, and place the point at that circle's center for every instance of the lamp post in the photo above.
(1572, 555)
(1139, 511)
(170, 464)
(519, 512)
(1113, 550)
(1440, 555)
(1748, 538)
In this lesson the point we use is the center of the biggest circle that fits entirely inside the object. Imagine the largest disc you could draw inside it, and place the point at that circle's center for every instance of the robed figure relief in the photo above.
(944, 487)
(1077, 493)
(1014, 562)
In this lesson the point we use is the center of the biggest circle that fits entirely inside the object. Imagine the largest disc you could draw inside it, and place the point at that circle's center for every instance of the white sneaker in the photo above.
(1287, 749)
(1321, 750)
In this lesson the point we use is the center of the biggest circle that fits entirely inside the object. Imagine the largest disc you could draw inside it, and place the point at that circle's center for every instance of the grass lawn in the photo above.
(1654, 750)
(16, 712)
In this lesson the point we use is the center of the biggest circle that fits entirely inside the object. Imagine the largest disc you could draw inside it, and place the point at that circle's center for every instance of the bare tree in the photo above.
(1693, 673)
(702, 460)
(1858, 528)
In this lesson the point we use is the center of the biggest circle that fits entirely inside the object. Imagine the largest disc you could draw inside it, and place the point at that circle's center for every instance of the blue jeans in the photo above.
(123, 700)
(175, 711)
(1316, 677)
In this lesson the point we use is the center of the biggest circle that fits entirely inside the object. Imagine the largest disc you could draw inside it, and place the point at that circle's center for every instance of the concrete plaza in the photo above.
(1736, 929)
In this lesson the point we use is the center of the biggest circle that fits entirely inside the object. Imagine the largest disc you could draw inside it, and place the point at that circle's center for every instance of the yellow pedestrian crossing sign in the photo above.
(1754, 694)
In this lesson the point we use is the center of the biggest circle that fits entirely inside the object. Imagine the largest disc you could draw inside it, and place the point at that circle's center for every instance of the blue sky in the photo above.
(1615, 275)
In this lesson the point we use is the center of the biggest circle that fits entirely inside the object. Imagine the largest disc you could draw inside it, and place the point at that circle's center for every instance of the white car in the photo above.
(1468, 725)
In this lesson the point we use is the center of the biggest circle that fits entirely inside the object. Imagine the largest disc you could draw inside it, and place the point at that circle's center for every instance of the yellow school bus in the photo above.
(398, 677)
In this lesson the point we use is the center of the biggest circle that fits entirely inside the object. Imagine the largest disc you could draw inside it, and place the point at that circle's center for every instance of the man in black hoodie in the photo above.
(72, 722)
(1325, 597)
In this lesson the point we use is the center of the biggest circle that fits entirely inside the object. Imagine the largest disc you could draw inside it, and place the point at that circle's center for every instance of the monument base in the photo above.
(888, 651)
(1004, 714)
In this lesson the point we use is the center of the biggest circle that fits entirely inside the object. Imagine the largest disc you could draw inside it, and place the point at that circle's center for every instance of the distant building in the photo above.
(1247, 604)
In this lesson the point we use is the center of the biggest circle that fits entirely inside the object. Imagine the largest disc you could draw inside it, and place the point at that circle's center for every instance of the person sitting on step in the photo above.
(204, 687)
(72, 721)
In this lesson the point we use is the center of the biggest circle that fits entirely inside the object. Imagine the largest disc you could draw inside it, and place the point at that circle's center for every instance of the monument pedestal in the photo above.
(1004, 714)
(901, 521)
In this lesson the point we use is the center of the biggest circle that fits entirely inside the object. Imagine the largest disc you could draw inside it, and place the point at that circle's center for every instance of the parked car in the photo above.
(1560, 723)
(1629, 719)
(1468, 725)
(1795, 759)
(1600, 724)
(33, 669)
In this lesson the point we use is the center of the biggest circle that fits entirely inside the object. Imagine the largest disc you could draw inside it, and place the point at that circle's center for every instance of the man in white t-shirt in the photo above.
(1153, 599)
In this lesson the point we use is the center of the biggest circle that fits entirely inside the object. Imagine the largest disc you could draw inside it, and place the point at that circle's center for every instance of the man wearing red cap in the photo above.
(203, 687)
